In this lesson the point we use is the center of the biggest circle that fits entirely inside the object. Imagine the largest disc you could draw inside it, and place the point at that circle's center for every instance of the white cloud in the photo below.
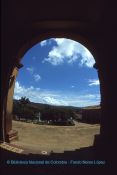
(54, 101)
(55, 98)
(43, 43)
(37, 95)
(72, 86)
(69, 51)
(18, 89)
(93, 82)
(37, 77)
(83, 100)
(30, 69)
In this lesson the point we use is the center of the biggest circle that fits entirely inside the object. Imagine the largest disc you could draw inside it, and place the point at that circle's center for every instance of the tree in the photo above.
(24, 100)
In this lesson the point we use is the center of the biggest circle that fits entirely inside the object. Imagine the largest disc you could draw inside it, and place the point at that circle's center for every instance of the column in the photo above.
(11, 134)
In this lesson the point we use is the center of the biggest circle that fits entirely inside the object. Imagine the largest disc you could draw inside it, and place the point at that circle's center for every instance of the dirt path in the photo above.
(54, 138)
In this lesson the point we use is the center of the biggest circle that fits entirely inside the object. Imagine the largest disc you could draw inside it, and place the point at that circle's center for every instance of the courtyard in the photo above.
(58, 139)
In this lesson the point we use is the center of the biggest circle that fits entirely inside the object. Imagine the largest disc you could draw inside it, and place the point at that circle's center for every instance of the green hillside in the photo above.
(26, 110)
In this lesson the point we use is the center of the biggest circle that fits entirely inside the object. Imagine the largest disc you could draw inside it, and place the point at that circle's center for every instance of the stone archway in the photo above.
(99, 50)
(9, 134)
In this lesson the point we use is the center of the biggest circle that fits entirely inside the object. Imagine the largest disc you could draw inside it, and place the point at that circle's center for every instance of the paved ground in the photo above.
(54, 138)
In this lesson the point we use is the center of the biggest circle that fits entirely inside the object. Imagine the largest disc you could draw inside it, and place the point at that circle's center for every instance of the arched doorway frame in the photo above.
(52, 32)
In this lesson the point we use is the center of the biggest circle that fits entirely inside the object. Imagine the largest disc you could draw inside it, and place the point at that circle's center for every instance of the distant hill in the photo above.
(92, 107)
(42, 106)
(29, 110)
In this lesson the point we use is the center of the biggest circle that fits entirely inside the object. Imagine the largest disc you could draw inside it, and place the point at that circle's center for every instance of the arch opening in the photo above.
(58, 50)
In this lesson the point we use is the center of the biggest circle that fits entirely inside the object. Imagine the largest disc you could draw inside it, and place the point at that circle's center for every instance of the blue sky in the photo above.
(58, 71)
